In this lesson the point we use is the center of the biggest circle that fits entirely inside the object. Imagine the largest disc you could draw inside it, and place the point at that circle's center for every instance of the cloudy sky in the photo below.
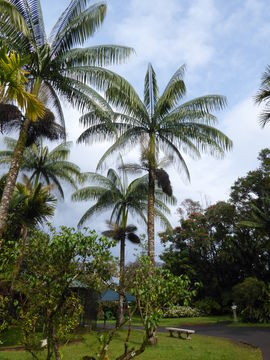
(225, 47)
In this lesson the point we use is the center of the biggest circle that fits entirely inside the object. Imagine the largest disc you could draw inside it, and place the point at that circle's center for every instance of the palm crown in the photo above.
(111, 193)
(56, 65)
(50, 167)
(165, 124)
(263, 96)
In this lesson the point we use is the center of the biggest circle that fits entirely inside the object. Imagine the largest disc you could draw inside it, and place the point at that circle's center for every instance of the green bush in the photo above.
(253, 299)
(107, 308)
(208, 306)
(181, 311)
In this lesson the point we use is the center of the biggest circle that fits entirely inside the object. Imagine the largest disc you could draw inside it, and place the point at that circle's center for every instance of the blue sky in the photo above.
(225, 47)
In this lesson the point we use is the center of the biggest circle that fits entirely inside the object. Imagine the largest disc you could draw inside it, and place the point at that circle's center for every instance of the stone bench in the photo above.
(181, 331)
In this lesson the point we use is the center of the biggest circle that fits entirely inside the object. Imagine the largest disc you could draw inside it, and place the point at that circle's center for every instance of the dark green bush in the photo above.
(253, 299)
(208, 306)
(107, 308)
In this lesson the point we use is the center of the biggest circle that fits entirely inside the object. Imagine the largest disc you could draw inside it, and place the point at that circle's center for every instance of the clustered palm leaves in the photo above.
(57, 66)
(165, 124)
(49, 167)
(30, 206)
(263, 96)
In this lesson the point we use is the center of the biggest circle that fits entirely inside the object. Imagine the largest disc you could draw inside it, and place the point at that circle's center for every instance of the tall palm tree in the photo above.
(112, 192)
(165, 124)
(13, 84)
(57, 66)
(42, 165)
(263, 96)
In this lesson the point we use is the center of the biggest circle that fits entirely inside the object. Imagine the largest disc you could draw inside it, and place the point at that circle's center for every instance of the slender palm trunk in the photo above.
(14, 168)
(120, 310)
(151, 200)
(122, 290)
(12, 177)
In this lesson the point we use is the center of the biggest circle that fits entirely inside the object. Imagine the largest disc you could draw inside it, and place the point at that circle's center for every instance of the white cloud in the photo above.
(167, 34)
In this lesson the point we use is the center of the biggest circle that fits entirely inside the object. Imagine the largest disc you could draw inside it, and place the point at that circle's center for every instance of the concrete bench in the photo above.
(181, 331)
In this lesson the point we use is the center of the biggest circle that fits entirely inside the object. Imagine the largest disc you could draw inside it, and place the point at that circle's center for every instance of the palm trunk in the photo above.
(120, 310)
(12, 177)
(151, 200)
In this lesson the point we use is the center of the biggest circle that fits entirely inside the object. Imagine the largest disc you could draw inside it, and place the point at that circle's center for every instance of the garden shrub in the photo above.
(253, 299)
(181, 311)
(208, 306)
(107, 308)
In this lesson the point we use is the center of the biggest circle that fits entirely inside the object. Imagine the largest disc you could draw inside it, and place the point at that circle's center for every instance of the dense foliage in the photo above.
(227, 242)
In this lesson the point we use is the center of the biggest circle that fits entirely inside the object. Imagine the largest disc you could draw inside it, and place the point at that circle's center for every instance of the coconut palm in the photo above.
(263, 96)
(42, 165)
(13, 84)
(166, 125)
(57, 66)
(112, 192)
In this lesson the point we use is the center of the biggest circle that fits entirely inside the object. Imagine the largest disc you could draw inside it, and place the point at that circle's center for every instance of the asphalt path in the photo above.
(256, 336)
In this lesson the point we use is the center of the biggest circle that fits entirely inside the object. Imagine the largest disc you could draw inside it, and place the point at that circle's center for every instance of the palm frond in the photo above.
(55, 103)
(77, 25)
(88, 193)
(173, 92)
(13, 17)
(101, 55)
(130, 137)
(206, 103)
(170, 148)
(150, 90)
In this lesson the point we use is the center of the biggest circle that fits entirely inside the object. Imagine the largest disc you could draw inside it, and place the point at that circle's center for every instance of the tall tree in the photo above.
(112, 192)
(56, 66)
(13, 84)
(48, 167)
(165, 124)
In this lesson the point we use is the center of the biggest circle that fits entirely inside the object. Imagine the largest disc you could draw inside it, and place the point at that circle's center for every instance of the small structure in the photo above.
(111, 295)
(89, 301)
(108, 304)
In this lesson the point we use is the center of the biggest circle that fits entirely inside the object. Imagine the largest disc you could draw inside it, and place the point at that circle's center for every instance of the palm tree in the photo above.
(42, 165)
(113, 193)
(13, 89)
(55, 66)
(165, 124)
(30, 206)
(263, 96)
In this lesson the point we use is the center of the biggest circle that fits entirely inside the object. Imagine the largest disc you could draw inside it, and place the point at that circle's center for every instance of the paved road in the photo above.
(259, 337)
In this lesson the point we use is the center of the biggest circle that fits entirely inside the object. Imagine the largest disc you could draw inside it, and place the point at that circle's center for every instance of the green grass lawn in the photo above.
(199, 348)
(202, 320)
(189, 321)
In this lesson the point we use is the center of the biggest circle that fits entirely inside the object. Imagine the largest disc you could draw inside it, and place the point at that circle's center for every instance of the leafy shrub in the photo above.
(181, 311)
(253, 299)
(107, 308)
(208, 306)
